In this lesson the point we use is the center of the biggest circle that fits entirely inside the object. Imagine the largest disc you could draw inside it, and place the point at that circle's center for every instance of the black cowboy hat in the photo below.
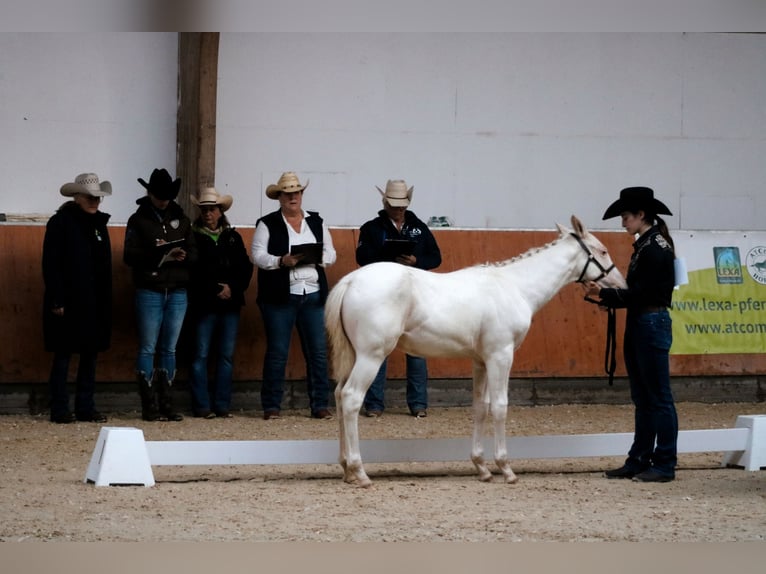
(161, 185)
(635, 198)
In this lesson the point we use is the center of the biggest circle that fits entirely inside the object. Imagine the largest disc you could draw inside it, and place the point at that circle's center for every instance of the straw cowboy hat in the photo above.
(397, 194)
(209, 196)
(161, 185)
(288, 183)
(88, 184)
(635, 198)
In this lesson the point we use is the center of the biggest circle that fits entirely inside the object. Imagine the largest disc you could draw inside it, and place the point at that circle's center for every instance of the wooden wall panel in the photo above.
(566, 339)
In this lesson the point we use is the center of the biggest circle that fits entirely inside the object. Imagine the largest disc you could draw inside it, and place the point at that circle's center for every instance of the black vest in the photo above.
(274, 284)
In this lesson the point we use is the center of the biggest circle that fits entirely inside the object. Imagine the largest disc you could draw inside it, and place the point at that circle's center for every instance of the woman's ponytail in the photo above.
(663, 229)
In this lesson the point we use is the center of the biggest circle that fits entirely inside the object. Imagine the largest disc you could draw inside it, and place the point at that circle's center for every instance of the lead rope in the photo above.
(610, 354)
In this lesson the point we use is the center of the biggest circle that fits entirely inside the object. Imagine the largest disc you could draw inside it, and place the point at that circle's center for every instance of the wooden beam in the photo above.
(197, 89)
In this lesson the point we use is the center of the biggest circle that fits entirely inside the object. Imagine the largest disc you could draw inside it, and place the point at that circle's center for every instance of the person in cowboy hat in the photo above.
(648, 334)
(160, 249)
(395, 225)
(77, 302)
(292, 293)
(216, 296)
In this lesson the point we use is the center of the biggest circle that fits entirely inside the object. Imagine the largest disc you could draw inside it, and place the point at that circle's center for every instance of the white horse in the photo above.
(481, 312)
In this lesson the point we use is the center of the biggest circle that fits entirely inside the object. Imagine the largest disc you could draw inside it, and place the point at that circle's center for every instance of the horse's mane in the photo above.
(528, 253)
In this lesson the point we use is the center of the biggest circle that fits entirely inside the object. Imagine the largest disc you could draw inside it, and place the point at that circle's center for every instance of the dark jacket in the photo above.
(77, 272)
(274, 284)
(144, 228)
(650, 278)
(221, 261)
(369, 249)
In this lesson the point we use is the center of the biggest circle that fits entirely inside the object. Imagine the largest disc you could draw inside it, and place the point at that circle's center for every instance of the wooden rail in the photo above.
(567, 336)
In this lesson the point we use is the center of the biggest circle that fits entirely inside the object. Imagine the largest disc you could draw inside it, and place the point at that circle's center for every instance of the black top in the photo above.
(651, 275)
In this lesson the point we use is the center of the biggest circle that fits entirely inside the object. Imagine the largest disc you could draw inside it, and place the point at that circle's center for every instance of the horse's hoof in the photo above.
(512, 479)
(485, 477)
(360, 481)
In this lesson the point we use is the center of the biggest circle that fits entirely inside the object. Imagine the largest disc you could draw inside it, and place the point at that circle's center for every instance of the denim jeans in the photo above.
(160, 316)
(85, 384)
(417, 391)
(219, 331)
(648, 337)
(306, 313)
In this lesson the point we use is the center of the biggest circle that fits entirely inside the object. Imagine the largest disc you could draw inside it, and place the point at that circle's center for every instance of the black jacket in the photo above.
(369, 249)
(77, 272)
(222, 261)
(144, 228)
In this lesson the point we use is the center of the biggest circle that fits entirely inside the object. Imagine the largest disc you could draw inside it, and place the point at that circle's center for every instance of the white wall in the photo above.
(512, 130)
(72, 103)
(497, 130)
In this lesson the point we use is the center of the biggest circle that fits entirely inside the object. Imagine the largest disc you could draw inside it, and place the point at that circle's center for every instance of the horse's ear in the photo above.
(579, 228)
(562, 230)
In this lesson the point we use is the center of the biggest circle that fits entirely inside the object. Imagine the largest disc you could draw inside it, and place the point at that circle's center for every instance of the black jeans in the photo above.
(85, 383)
(648, 337)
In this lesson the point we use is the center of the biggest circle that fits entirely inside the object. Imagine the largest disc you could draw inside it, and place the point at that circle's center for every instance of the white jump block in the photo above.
(123, 457)
(753, 455)
(120, 458)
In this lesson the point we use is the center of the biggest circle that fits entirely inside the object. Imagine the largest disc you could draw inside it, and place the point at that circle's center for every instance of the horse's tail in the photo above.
(342, 355)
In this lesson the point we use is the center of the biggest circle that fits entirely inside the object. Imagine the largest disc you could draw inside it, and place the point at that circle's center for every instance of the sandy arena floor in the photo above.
(43, 496)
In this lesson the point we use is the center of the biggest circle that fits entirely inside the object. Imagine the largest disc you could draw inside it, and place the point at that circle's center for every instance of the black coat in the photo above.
(77, 272)
(224, 261)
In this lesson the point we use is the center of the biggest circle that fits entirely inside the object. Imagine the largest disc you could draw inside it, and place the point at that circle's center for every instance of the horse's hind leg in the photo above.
(480, 410)
(351, 397)
(342, 456)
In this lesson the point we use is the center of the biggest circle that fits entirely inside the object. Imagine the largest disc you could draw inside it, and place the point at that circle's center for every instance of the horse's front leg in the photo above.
(498, 392)
(480, 410)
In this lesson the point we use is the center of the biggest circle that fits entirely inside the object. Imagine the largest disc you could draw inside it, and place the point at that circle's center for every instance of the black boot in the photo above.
(165, 397)
(149, 410)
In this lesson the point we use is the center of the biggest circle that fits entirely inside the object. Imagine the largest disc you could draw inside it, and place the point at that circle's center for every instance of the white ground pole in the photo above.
(122, 456)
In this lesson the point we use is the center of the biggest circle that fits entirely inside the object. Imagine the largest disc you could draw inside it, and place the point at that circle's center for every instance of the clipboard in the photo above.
(164, 250)
(168, 245)
(393, 248)
(312, 253)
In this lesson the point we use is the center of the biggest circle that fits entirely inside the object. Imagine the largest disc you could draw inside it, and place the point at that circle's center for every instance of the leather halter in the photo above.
(591, 259)
(610, 360)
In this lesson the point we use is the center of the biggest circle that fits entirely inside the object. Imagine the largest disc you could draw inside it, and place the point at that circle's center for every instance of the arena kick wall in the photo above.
(566, 340)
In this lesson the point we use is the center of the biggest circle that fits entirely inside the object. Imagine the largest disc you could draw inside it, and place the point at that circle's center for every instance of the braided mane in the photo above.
(528, 253)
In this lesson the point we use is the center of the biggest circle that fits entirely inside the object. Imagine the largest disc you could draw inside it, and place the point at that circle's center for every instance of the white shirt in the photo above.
(303, 278)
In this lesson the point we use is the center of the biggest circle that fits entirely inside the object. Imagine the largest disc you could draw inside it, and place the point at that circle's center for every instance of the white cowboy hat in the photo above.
(397, 194)
(88, 184)
(209, 196)
(288, 183)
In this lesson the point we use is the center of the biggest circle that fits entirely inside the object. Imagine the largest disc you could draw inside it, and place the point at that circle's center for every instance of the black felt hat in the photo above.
(635, 198)
(161, 185)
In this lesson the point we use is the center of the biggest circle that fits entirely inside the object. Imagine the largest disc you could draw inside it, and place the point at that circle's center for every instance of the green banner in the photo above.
(722, 310)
